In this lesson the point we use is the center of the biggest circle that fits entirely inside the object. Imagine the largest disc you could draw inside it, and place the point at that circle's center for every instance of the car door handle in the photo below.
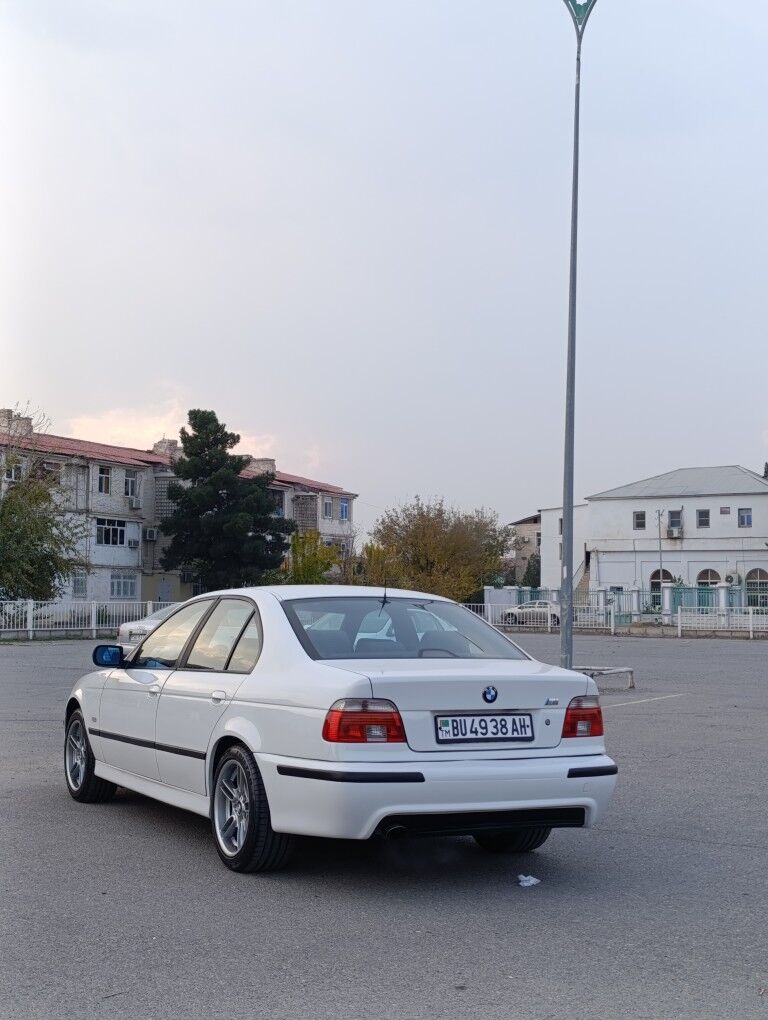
(218, 696)
(154, 690)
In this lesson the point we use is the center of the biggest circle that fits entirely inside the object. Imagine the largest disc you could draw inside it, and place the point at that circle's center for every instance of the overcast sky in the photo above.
(344, 226)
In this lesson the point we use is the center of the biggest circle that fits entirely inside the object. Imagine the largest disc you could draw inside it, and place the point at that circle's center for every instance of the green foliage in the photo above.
(39, 540)
(223, 526)
(434, 548)
(532, 575)
(310, 559)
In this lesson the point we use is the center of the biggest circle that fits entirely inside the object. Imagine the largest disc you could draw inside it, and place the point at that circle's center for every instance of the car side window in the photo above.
(247, 649)
(164, 645)
(213, 645)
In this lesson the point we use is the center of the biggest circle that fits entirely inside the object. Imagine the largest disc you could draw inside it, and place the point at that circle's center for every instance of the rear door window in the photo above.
(221, 631)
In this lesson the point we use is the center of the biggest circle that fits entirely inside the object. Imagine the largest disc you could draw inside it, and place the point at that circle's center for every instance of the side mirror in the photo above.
(108, 655)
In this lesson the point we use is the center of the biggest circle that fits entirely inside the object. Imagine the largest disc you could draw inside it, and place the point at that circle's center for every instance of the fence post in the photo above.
(634, 594)
(30, 618)
(679, 621)
(93, 620)
(150, 607)
(549, 622)
(613, 617)
(666, 601)
(751, 622)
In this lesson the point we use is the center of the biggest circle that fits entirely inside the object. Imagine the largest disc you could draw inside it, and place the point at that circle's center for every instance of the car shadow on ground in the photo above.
(446, 860)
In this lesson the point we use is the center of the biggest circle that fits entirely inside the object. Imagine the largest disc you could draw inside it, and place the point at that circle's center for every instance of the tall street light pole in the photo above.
(580, 13)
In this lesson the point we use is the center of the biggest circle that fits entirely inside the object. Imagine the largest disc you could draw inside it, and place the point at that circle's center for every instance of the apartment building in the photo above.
(122, 493)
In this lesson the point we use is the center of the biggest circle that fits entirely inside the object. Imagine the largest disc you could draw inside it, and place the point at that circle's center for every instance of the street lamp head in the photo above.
(580, 12)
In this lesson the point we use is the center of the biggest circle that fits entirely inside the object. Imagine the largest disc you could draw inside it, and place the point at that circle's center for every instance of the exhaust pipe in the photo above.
(395, 832)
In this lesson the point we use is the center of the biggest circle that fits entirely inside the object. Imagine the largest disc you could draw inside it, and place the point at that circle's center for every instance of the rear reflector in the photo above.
(363, 721)
(583, 718)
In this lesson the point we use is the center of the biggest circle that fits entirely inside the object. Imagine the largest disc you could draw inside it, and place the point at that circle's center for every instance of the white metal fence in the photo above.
(751, 620)
(30, 619)
(590, 615)
(587, 616)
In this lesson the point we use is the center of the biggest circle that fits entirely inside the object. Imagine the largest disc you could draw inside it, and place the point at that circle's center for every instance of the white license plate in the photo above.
(465, 729)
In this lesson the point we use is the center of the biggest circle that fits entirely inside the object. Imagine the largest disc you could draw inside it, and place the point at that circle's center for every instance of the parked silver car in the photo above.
(129, 634)
(533, 614)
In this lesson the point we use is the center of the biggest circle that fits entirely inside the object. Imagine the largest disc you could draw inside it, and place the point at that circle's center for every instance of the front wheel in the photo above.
(79, 765)
(240, 816)
(519, 841)
(512, 619)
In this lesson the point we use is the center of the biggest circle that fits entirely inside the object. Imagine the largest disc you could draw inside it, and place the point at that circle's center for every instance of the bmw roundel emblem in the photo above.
(490, 694)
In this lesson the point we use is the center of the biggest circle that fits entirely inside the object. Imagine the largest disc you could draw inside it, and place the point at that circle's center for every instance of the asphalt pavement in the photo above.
(124, 909)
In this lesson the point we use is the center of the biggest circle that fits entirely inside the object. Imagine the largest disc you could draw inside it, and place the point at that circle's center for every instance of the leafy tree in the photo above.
(223, 525)
(311, 560)
(375, 565)
(532, 575)
(439, 549)
(40, 542)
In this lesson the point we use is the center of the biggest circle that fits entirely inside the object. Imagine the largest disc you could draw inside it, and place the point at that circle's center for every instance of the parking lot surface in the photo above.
(124, 909)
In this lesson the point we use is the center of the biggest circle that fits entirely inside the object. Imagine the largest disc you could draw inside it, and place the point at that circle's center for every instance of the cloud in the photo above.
(140, 428)
(256, 445)
(129, 426)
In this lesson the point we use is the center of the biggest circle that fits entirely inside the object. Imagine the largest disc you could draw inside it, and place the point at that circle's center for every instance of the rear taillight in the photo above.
(363, 721)
(583, 717)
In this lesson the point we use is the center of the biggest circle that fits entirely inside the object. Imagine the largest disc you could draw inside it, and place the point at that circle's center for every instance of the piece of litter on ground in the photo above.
(526, 880)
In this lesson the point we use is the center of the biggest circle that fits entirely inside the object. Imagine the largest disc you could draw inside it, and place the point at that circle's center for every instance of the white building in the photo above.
(551, 550)
(695, 526)
(122, 493)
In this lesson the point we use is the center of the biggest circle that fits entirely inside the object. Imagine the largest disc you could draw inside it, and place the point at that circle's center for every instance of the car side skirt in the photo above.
(184, 799)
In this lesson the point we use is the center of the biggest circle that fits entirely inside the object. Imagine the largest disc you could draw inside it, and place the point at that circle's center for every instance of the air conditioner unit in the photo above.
(150, 534)
(674, 532)
(133, 543)
(732, 578)
(134, 502)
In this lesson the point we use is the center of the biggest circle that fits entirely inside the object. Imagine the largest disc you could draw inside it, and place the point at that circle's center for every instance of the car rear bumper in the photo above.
(355, 800)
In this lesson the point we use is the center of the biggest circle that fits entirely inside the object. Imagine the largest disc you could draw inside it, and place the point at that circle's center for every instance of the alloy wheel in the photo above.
(76, 755)
(231, 808)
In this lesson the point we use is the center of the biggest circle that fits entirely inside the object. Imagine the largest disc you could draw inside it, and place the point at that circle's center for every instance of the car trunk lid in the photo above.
(425, 689)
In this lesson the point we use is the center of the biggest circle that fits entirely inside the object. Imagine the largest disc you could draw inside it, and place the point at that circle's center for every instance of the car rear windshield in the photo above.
(367, 627)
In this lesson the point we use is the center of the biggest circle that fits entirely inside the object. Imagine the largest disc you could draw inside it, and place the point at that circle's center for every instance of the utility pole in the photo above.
(659, 515)
(580, 13)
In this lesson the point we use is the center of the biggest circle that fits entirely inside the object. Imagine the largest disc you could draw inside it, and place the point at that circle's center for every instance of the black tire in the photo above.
(555, 621)
(513, 619)
(79, 765)
(262, 848)
(517, 841)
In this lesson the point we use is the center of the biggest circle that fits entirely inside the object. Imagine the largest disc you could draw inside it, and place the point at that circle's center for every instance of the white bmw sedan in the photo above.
(342, 712)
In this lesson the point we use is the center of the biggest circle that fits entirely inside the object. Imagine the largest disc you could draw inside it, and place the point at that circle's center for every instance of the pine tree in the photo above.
(223, 526)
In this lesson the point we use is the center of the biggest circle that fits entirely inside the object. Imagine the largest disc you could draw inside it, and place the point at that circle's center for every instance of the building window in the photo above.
(757, 588)
(745, 517)
(327, 508)
(708, 578)
(343, 509)
(79, 583)
(675, 518)
(279, 504)
(538, 540)
(560, 550)
(560, 527)
(122, 585)
(110, 531)
(131, 483)
(15, 470)
(702, 518)
(638, 520)
(725, 510)
(105, 480)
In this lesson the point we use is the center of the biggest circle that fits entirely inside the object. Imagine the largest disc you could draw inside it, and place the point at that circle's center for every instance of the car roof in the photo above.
(308, 591)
